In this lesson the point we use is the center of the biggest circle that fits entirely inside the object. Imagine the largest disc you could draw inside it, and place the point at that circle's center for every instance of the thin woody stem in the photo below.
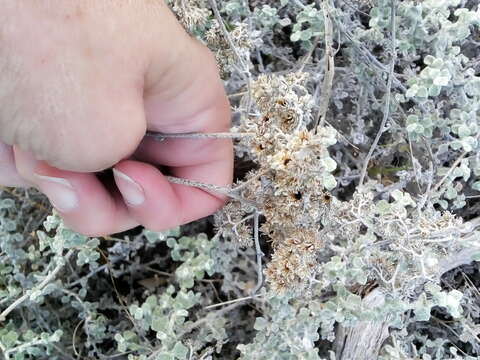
(49, 277)
(224, 135)
(259, 253)
(329, 66)
(212, 189)
(219, 190)
(386, 111)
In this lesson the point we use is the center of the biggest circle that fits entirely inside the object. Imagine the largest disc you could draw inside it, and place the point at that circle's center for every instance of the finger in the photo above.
(158, 204)
(194, 102)
(82, 200)
(189, 98)
(8, 172)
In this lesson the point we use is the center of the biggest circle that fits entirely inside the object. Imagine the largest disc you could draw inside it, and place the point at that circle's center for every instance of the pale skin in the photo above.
(80, 84)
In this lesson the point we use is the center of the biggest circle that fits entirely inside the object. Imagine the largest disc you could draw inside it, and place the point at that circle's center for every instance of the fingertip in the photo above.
(165, 204)
(131, 190)
(148, 195)
(83, 202)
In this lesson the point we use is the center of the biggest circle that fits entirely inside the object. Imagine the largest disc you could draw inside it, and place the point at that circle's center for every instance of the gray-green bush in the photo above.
(356, 204)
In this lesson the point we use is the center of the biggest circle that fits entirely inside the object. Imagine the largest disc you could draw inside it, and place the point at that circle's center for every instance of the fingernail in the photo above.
(59, 191)
(132, 192)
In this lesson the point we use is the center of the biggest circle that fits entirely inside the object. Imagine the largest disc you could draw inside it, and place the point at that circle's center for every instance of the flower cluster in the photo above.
(290, 186)
(224, 54)
(192, 14)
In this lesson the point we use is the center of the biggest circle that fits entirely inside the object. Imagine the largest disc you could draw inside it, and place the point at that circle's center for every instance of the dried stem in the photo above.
(329, 66)
(229, 302)
(309, 54)
(258, 252)
(215, 189)
(226, 34)
(449, 172)
(364, 340)
(386, 111)
(373, 61)
(414, 166)
(245, 72)
(212, 189)
(225, 135)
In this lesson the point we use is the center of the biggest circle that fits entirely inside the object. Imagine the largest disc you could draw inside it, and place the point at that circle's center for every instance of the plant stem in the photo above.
(39, 287)
(386, 111)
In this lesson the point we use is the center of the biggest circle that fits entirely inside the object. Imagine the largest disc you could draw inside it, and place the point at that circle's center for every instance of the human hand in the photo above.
(80, 83)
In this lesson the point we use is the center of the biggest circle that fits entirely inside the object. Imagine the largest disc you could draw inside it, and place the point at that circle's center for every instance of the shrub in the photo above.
(351, 232)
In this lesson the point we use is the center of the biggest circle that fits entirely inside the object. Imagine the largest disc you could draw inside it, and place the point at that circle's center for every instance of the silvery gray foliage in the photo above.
(409, 231)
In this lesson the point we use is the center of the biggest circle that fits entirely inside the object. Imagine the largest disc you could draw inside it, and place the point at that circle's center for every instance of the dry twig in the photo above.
(453, 167)
(258, 252)
(329, 66)
(386, 111)
(225, 135)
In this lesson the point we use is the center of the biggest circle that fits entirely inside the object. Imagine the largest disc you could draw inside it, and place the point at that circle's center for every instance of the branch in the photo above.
(245, 73)
(386, 111)
(309, 54)
(215, 190)
(449, 172)
(259, 253)
(23, 346)
(225, 33)
(207, 319)
(466, 255)
(364, 340)
(374, 61)
(329, 67)
(39, 287)
(228, 302)
(225, 135)
(463, 257)
(210, 316)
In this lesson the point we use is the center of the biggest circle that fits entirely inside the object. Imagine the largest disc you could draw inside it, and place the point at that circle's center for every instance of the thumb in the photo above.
(188, 98)
(80, 98)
